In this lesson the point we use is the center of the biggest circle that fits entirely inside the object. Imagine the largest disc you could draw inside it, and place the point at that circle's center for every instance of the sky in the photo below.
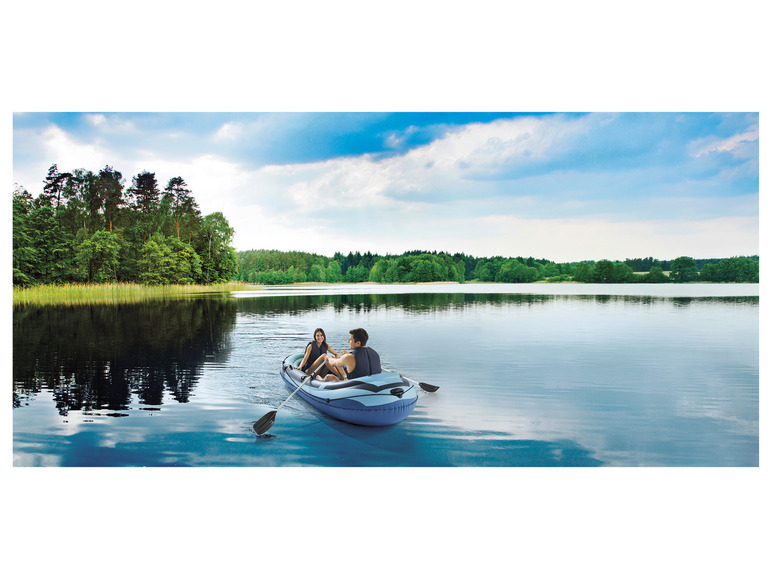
(559, 186)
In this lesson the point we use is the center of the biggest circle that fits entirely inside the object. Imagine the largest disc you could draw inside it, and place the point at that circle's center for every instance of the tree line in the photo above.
(89, 227)
(681, 270)
(276, 267)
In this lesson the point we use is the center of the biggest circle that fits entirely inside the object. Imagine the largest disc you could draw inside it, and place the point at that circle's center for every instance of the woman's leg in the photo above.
(318, 362)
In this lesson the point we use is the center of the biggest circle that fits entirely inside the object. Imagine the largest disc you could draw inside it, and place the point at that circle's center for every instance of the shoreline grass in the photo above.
(113, 293)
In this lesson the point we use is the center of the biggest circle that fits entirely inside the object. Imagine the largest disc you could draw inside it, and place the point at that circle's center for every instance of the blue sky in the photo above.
(565, 187)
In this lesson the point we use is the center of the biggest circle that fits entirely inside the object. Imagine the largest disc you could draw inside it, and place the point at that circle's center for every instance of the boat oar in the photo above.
(423, 385)
(261, 426)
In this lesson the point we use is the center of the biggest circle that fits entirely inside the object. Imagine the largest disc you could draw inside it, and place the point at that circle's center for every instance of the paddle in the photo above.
(261, 426)
(424, 385)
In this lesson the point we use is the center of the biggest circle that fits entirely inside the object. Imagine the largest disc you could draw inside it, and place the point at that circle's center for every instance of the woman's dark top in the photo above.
(315, 353)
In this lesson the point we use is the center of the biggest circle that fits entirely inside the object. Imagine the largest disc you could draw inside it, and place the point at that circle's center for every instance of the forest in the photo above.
(277, 267)
(89, 227)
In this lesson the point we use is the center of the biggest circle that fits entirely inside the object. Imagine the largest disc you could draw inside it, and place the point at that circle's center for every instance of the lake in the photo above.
(530, 375)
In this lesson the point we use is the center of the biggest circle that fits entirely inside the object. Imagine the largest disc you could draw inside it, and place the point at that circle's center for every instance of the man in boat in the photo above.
(360, 361)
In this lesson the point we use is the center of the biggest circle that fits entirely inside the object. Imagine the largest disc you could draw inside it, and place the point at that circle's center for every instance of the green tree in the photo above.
(397, 271)
(155, 262)
(515, 271)
(356, 274)
(168, 261)
(316, 273)
(145, 201)
(378, 271)
(98, 257)
(72, 214)
(460, 271)
(43, 250)
(25, 255)
(655, 275)
(683, 269)
(733, 269)
(186, 264)
(110, 192)
(333, 273)
(487, 270)
(584, 272)
(423, 270)
(550, 270)
(604, 272)
(218, 258)
(181, 203)
(54, 247)
(53, 186)
(144, 193)
(84, 199)
(622, 273)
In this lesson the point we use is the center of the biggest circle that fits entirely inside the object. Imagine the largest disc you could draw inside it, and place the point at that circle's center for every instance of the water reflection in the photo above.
(418, 303)
(425, 441)
(526, 380)
(98, 357)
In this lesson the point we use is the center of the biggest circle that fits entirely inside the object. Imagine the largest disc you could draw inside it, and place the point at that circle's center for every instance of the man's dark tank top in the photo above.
(368, 362)
(315, 353)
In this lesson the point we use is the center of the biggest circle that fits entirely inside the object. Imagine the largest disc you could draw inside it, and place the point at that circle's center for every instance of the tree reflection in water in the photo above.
(99, 357)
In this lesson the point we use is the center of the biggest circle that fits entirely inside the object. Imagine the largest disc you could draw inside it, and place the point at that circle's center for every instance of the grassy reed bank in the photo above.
(112, 293)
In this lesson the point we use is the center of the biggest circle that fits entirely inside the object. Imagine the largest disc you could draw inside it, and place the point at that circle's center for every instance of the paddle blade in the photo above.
(428, 387)
(262, 425)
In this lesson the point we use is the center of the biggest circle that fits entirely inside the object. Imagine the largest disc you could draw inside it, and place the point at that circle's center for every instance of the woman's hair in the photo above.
(359, 335)
(324, 336)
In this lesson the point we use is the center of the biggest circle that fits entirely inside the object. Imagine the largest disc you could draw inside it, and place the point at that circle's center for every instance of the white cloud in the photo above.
(424, 199)
(68, 152)
(113, 124)
(229, 132)
(212, 179)
(391, 204)
(95, 119)
(453, 230)
(55, 145)
(437, 168)
(396, 139)
(580, 239)
(743, 145)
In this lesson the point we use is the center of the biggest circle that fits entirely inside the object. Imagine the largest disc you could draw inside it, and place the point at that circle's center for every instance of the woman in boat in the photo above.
(316, 351)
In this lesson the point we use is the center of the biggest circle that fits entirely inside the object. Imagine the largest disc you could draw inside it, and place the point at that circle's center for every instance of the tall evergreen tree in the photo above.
(181, 202)
(25, 255)
(110, 191)
(144, 192)
(53, 185)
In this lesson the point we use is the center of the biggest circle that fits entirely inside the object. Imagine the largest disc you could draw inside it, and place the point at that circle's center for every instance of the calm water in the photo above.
(529, 375)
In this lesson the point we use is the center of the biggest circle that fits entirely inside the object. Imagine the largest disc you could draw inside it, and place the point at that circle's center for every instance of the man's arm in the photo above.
(347, 359)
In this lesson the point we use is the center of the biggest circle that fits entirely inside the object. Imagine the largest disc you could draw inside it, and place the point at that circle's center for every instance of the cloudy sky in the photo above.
(559, 186)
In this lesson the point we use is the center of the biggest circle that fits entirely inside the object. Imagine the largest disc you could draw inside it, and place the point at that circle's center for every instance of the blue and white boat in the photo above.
(376, 400)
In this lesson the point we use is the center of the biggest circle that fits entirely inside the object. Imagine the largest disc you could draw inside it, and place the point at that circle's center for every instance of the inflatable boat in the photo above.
(376, 400)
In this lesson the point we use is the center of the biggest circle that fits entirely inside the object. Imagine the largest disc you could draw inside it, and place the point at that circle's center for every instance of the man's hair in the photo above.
(359, 335)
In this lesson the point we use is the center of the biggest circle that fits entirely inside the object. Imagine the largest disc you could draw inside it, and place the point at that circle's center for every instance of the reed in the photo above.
(113, 293)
